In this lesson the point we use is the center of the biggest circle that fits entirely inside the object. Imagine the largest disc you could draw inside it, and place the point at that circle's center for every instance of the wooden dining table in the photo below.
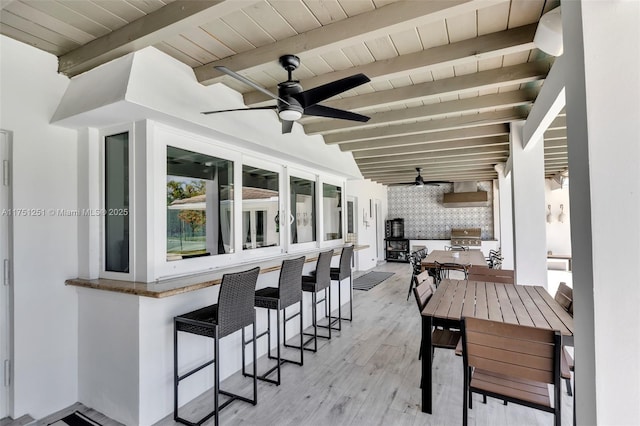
(509, 303)
(466, 257)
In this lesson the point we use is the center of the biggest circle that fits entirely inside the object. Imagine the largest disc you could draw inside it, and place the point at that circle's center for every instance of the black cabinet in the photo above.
(396, 249)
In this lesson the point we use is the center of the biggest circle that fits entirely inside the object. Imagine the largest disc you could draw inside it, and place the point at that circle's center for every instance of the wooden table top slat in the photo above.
(559, 311)
(517, 304)
(493, 304)
(458, 300)
(508, 313)
(552, 318)
(533, 311)
(522, 316)
(482, 311)
(444, 307)
(469, 307)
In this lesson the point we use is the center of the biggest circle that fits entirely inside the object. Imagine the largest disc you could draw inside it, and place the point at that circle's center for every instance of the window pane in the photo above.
(199, 204)
(260, 199)
(350, 217)
(303, 209)
(332, 210)
(116, 199)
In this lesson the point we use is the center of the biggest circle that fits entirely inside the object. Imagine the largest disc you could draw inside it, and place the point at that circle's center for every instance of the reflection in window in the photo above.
(116, 199)
(332, 210)
(260, 204)
(199, 204)
(303, 209)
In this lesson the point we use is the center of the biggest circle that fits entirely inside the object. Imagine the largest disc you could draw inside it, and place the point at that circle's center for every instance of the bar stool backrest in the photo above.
(323, 270)
(236, 300)
(290, 282)
(345, 262)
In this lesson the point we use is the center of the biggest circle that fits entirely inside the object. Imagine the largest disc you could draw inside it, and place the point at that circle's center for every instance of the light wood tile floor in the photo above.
(369, 374)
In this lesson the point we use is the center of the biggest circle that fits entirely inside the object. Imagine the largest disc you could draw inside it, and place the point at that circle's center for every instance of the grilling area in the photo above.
(466, 237)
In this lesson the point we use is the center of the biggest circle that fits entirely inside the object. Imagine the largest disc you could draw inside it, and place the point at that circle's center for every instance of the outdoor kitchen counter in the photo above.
(192, 282)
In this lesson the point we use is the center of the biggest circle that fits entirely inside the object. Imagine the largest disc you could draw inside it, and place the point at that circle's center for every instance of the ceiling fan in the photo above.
(293, 102)
(420, 182)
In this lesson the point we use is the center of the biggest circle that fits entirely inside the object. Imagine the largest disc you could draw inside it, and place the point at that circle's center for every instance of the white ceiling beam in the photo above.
(403, 171)
(560, 122)
(445, 135)
(166, 22)
(471, 120)
(556, 144)
(492, 45)
(483, 80)
(479, 104)
(433, 147)
(550, 101)
(409, 177)
(554, 134)
(432, 160)
(380, 22)
(485, 174)
(433, 155)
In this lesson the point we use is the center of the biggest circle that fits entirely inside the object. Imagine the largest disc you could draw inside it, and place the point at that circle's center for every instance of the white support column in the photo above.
(603, 106)
(527, 178)
(506, 218)
(88, 198)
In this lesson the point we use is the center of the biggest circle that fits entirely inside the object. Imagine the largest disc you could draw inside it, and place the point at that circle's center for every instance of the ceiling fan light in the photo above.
(290, 115)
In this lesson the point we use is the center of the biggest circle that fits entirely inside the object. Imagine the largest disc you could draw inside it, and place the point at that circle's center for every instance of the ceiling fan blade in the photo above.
(249, 83)
(287, 126)
(320, 93)
(325, 111)
(239, 109)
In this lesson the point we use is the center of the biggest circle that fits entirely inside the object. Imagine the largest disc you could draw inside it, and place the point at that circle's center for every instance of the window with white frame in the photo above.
(199, 204)
(332, 211)
(303, 210)
(116, 202)
(260, 208)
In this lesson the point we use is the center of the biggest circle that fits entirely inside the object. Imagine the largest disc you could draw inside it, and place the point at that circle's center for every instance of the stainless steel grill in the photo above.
(466, 237)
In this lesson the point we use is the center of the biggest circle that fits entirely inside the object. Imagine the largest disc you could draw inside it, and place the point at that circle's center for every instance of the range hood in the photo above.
(466, 194)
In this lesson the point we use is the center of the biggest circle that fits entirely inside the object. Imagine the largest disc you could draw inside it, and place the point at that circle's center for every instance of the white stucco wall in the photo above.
(363, 191)
(558, 233)
(45, 247)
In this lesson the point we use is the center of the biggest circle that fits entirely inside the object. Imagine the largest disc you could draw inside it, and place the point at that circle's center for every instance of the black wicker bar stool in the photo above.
(234, 311)
(338, 274)
(319, 280)
(288, 292)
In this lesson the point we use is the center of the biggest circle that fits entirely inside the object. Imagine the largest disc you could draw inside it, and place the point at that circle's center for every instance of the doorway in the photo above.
(5, 287)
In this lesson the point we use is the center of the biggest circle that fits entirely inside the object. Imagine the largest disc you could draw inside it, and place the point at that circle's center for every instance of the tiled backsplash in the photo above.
(426, 218)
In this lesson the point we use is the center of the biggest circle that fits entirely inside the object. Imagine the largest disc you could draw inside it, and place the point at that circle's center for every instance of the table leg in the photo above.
(426, 364)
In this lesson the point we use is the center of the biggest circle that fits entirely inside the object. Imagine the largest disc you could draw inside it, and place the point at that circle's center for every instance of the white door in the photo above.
(5, 293)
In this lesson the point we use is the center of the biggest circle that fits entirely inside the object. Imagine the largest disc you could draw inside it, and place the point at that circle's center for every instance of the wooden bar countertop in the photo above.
(191, 282)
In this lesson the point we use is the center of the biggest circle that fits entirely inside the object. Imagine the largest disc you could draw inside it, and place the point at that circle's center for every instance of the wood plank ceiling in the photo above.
(447, 77)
